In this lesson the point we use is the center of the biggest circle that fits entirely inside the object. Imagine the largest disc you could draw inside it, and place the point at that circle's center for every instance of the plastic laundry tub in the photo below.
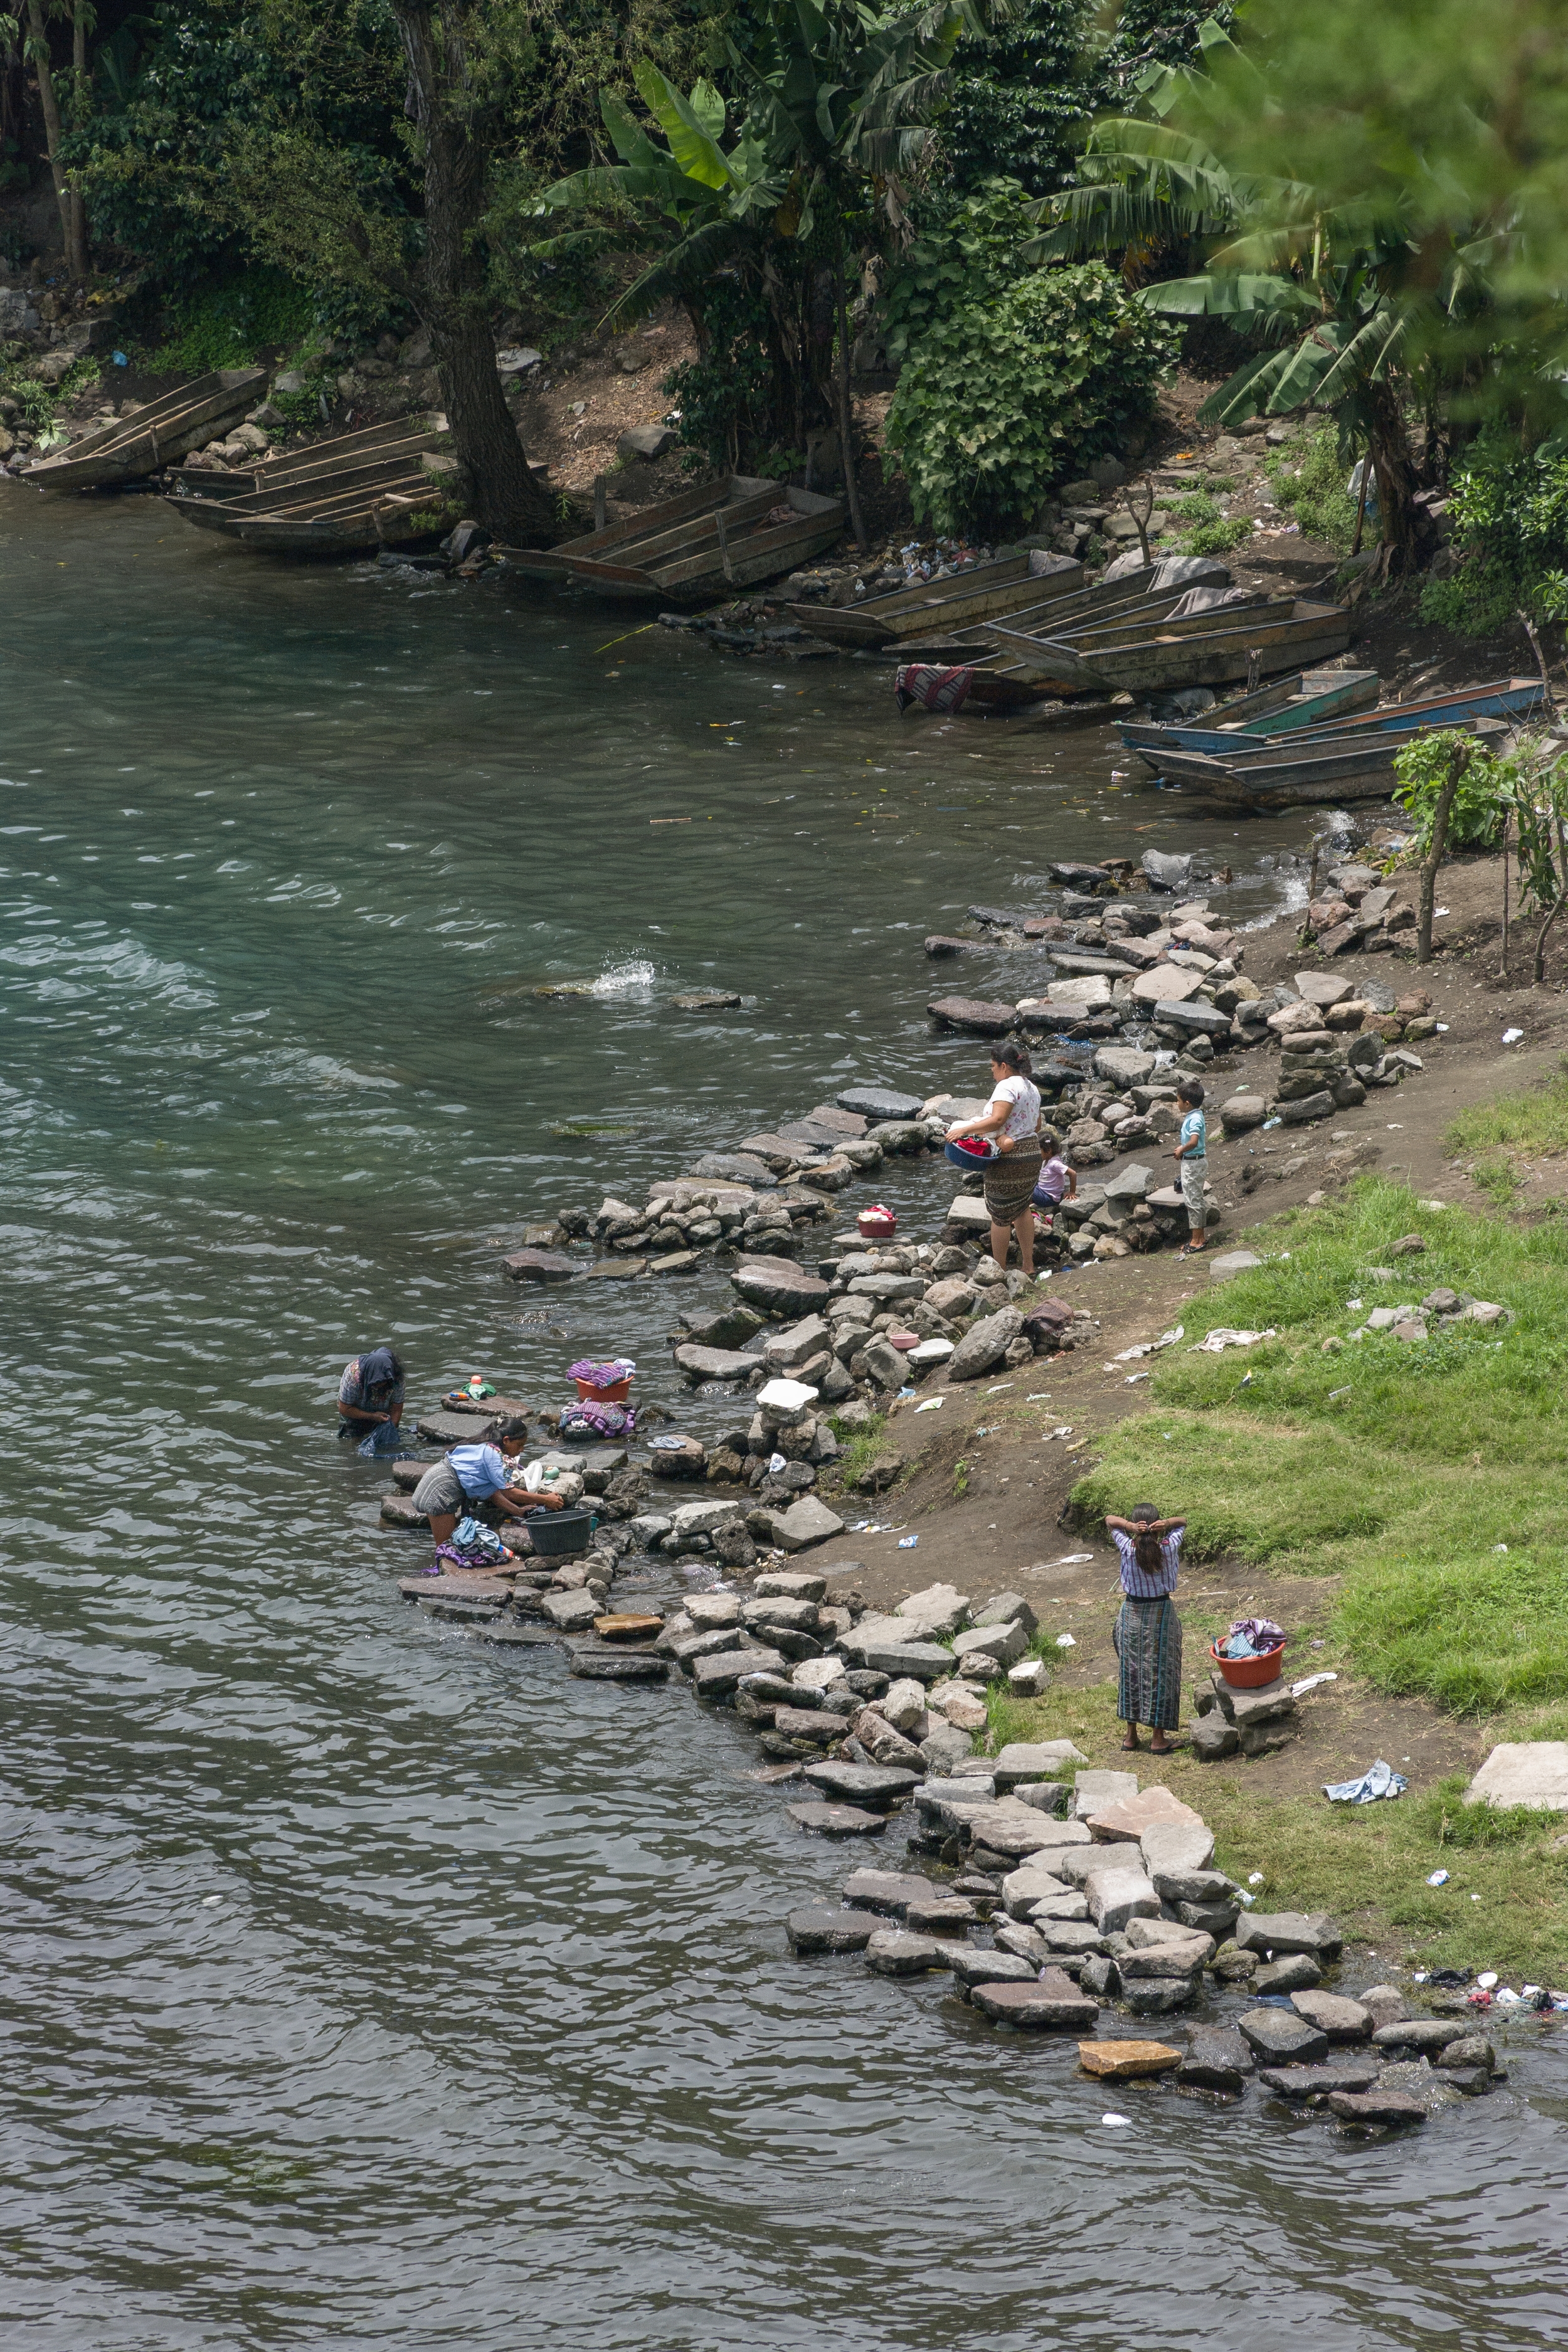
(971, 1154)
(876, 1224)
(556, 1534)
(616, 1393)
(1249, 1674)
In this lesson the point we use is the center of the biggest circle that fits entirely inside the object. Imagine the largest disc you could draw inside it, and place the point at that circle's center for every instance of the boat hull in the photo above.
(1301, 638)
(704, 543)
(159, 435)
(936, 607)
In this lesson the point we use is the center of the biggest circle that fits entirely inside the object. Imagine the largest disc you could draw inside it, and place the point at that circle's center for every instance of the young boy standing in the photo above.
(1192, 1158)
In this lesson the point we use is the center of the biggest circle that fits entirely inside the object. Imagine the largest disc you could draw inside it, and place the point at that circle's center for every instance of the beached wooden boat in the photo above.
(1326, 768)
(936, 609)
(725, 534)
(385, 487)
(159, 433)
(1513, 697)
(1198, 649)
(1307, 699)
(1063, 608)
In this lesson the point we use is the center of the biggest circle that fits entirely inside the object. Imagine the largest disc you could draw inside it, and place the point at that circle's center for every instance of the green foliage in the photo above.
(1510, 517)
(1475, 818)
(231, 324)
(966, 252)
(1308, 477)
(1427, 1479)
(861, 1447)
(1004, 397)
(1533, 1123)
(38, 404)
(1217, 537)
(725, 395)
(1029, 95)
(1199, 507)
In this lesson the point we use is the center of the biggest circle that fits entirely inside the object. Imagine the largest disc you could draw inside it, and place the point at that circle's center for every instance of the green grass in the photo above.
(1199, 507)
(1529, 1125)
(1405, 1470)
(1308, 475)
(227, 326)
(1217, 537)
(861, 1447)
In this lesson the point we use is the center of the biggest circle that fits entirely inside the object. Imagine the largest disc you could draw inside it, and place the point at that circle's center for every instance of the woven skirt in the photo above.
(1148, 1638)
(1010, 1180)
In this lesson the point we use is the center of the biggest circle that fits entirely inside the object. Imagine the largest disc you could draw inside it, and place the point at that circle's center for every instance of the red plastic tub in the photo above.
(877, 1224)
(616, 1393)
(1251, 1674)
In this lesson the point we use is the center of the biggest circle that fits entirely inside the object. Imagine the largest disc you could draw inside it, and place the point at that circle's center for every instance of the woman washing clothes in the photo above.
(1148, 1632)
(473, 1479)
(370, 1395)
(1011, 1119)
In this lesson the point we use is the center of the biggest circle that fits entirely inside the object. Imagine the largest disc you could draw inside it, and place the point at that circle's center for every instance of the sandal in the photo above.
(1130, 1744)
(1166, 1750)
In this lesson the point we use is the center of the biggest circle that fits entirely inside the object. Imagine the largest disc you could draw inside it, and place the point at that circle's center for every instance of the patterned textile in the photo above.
(1148, 1638)
(933, 688)
(1137, 1582)
(1010, 1180)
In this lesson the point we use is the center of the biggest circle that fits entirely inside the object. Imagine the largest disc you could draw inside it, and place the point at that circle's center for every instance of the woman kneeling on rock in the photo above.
(1011, 1119)
(475, 1475)
(1148, 1632)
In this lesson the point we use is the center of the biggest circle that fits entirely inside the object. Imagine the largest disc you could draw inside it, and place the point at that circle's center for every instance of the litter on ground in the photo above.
(1382, 1780)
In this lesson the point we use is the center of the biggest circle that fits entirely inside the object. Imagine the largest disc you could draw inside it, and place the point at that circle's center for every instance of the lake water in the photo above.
(363, 1987)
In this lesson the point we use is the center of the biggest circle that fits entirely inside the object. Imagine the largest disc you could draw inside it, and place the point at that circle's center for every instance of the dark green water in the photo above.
(362, 1988)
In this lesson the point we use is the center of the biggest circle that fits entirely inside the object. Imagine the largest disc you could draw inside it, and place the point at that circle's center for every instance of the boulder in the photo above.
(1384, 2004)
(838, 1821)
(1217, 2059)
(1167, 983)
(1523, 1773)
(541, 1265)
(1003, 1642)
(645, 442)
(883, 1655)
(977, 1018)
(1032, 1760)
(1385, 2108)
(1340, 2020)
(1323, 989)
(971, 1968)
(1164, 871)
(1174, 1853)
(1291, 1931)
(697, 1365)
(1093, 1790)
(831, 1931)
(892, 1952)
(1280, 2038)
(1426, 2034)
(1242, 1113)
(939, 1610)
(1126, 1820)
(1054, 2002)
(1116, 1895)
(1295, 1973)
(887, 1891)
(1126, 2062)
(983, 1347)
(779, 1286)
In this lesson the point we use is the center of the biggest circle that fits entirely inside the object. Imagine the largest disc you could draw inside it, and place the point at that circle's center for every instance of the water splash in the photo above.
(628, 979)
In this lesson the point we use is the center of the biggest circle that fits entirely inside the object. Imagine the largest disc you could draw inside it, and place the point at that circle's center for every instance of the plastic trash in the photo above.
(932, 1405)
(1311, 1683)
(208, 1900)
(1268, 1123)
(1438, 1878)
(908, 1543)
(1512, 1036)
(1487, 1979)
(1065, 1642)
(119, 359)
(776, 1464)
(1255, 1878)
(1382, 1780)
(1121, 2121)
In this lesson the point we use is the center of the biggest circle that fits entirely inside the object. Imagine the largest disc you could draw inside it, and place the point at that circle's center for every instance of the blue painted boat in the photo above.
(1508, 697)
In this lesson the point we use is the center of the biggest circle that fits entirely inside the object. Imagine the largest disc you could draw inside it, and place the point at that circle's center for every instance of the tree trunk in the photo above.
(1388, 445)
(845, 408)
(72, 218)
(1458, 760)
(449, 293)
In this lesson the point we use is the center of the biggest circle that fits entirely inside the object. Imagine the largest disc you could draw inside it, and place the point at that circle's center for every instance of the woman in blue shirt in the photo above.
(472, 1476)
(1148, 1632)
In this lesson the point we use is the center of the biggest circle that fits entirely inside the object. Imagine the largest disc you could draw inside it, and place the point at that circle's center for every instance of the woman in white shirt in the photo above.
(1011, 1119)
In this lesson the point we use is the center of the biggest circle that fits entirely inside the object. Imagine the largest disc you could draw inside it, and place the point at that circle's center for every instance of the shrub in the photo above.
(1475, 820)
(1217, 537)
(964, 256)
(228, 325)
(1004, 396)
(725, 395)
(1509, 514)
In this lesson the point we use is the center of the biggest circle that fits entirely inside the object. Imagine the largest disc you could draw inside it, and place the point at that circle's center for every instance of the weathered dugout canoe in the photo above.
(1319, 697)
(934, 608)
(1512, 698)
(703, 544)
(1325, 770)
(1072, 608)
(1289, 634)
(159, 435)
(382, 488)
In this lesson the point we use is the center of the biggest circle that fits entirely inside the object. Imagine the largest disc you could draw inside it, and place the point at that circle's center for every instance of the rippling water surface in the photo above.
(363, 1988)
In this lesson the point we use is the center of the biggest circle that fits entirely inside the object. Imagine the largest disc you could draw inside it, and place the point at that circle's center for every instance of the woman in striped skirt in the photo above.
(1010, 1122)
(1148, 1632)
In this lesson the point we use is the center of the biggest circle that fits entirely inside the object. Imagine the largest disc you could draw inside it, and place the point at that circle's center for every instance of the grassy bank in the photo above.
(1427, 1481)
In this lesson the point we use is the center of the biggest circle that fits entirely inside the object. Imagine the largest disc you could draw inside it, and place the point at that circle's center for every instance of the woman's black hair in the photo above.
(1190, 1090)
(1146, 1546)
(511, 1424)
(1014, 1056)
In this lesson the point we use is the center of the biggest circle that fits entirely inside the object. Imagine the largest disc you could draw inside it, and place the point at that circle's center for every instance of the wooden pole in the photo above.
(1361, 502)
(1459, 760)
(1253, 664)
(598, 502)
(1507, 816)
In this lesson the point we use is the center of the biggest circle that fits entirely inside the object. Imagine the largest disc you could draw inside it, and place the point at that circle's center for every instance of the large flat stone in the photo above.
(1175, 1856)
(1125, 1821)
(699, 1364)
(806, 1524)
(570, 1612)
(1115, 1896)
(1032, 1883)
(1015, 1830)
(924, 1659)
(893, 1952)
(838, 1821)
(1278, 2038)
(1424, 2034)
(1166, 983)
(716, 1676)
(1003, 1642)
(1523, 1773)
(865, 1784)
(541, 1265)
(1291, 1931)
(975, 1016)
(876, 1103)
(1340, 2020)
(1040, 1760)
(1094, 1791)
(1383, 2107)
(889, 1891)
(830, 1931)
(1054, 2003)
(1315, 2082)
(618, 1667)
(938, 1608)
(972, 1967)
(1126, 2062)
(780, 1287)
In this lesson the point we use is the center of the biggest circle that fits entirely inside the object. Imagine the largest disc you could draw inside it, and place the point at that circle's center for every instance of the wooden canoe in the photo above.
(937, 608)
(158, 434)
(1283, 634)
(1319, 697)
(703, 544)
(1324, 770)
(385, 486)
(1071, 606)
